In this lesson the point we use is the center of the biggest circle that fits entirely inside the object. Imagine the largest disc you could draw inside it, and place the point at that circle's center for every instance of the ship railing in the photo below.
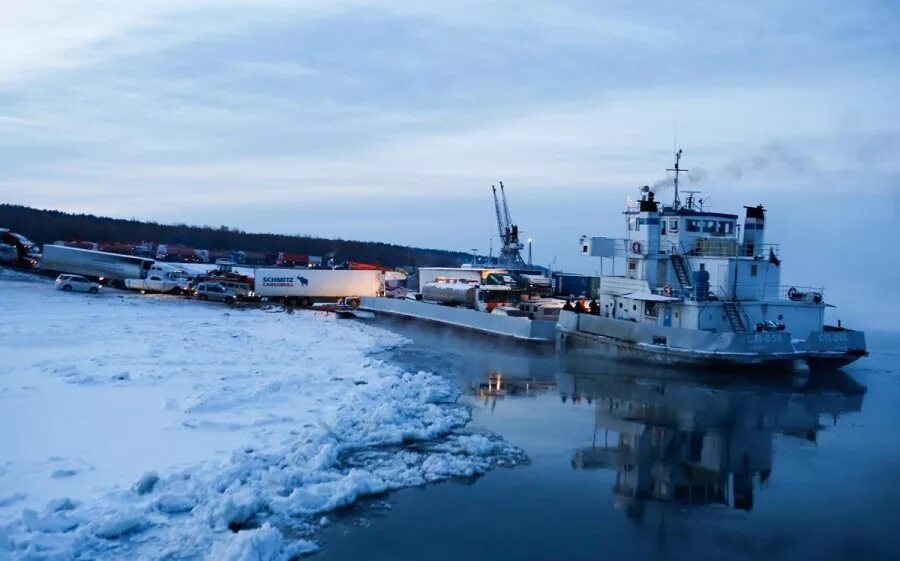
(673, 291)
(719, 247)
(668, 247)
(754, 292)
(794, 293)
(747, 293)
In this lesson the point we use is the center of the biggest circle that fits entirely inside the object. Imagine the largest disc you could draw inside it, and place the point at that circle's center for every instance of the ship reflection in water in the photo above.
(676, 439)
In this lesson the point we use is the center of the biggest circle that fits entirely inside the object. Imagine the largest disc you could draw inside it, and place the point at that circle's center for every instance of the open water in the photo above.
(634, 462)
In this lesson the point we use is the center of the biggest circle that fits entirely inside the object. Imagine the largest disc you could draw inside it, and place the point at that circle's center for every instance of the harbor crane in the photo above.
(510, 247)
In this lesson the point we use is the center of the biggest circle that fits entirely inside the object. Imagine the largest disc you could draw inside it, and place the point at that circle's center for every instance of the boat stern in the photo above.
(834, 347)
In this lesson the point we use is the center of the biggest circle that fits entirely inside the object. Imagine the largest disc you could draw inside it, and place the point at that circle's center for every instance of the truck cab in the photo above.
(489, 297)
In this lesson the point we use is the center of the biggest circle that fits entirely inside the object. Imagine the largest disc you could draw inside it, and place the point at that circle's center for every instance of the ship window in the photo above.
(663, 227)
(693, 225)
(673, 225)
(709, 226)
(634, 307)
(632, 265)
(753, 270)
(620, 305)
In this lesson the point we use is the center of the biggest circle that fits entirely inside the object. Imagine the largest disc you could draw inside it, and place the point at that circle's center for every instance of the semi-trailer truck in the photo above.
(95, 264)
(304, 287)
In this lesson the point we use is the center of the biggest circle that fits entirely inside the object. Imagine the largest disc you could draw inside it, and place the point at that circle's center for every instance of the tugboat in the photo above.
(701, 289)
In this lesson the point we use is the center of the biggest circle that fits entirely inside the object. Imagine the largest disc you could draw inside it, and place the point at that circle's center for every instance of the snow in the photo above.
(153, 426)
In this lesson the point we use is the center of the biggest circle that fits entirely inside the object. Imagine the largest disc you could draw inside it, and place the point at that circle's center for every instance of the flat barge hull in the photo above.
(516, 328)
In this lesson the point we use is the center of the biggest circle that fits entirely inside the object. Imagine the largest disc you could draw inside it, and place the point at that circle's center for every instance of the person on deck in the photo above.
(594, 307)
(580, 307)
(568, 306)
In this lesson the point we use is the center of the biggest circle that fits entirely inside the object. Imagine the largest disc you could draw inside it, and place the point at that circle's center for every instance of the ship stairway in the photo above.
(681, 271)
(736, 315)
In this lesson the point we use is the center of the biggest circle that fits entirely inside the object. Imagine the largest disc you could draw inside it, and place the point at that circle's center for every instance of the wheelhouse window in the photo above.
(673, 225)
(726, 228)
(693, 225)
(662, 227)
(709, 226)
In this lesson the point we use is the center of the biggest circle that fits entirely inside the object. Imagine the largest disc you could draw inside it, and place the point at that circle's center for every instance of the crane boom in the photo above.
(499, 217)
(505, 206)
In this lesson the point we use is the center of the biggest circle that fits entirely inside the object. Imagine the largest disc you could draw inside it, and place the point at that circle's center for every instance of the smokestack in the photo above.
(754, 229)
(649, 218)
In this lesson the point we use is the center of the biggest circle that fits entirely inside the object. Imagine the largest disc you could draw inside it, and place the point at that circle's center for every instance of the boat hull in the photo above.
(822, 350)
(607, 347)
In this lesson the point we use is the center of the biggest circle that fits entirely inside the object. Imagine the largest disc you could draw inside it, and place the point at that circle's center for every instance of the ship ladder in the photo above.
(734, 316)
(681, 271)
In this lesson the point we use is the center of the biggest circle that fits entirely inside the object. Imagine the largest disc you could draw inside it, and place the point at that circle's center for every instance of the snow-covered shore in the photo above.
(155, 427)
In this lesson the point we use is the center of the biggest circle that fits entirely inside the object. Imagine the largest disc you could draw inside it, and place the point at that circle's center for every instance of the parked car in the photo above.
(76, 283)
(215, 292)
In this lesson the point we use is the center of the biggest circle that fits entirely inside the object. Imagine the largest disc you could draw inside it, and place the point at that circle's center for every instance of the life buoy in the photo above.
(792, 293)
(667, 289)
(636, 247)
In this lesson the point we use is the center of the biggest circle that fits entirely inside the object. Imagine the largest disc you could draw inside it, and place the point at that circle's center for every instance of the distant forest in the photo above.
(47, 226)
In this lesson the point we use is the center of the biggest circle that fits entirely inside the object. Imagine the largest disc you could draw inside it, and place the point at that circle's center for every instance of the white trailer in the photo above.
(306, 286)
(433, 274)
(96, 264)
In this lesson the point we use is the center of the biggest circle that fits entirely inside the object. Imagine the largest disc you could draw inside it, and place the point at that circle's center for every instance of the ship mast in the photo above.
(677, 169)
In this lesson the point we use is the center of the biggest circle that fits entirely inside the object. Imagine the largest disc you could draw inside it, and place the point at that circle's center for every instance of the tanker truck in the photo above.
(469, 294)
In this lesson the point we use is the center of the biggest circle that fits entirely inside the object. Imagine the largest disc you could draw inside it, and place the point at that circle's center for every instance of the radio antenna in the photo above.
(677, 169)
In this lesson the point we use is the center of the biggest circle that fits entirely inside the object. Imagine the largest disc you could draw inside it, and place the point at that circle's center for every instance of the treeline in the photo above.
(47, 226)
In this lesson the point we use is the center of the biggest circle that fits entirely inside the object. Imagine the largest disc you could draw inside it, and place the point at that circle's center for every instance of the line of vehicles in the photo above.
(492, 290)
(227, 282)
(179, 253)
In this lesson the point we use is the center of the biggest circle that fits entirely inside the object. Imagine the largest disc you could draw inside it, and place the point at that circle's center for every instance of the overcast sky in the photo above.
(390, 120)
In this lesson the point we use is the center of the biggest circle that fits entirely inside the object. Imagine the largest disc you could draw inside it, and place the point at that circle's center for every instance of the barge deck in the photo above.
(518, 328)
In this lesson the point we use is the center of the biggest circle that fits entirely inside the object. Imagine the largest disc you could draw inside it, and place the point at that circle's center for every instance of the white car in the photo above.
(76, 283)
